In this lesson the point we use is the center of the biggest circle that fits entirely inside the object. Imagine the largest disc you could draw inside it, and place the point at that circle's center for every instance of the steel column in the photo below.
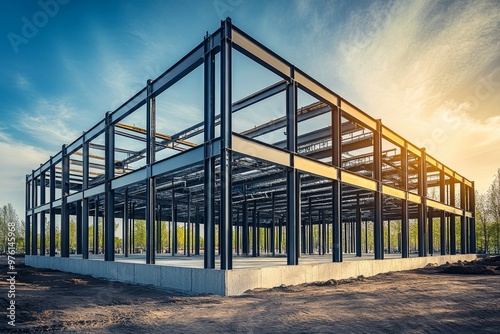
(109, 196)
(42, 214)
(27, 221)
(442, 214)
(79, 222)
(65, 205)
(463, 221)
(405, 224)
(377, 174)
(158, 229)
(188, 232)
(453, 239)
(96, 225)
(85, 204)
(472, 235)
(311, 240)
(422, 191)
(226, 210)
(273, 225)
(209, 162)
(336, 128)
(197, 232)
(358, 229)
(150, 182)
(126, 224)
(430, 226)
(254, 229)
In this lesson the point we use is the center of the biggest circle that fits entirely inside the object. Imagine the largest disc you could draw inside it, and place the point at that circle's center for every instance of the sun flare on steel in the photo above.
(259, 161)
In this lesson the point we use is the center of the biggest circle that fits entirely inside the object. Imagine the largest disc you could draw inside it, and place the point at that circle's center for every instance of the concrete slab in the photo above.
(187, 273)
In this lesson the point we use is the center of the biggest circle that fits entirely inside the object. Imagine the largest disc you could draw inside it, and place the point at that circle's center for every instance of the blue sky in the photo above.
(429, 69)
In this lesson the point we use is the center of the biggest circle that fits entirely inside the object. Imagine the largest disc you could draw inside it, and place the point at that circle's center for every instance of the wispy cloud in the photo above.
(51, 122)
(12, 179)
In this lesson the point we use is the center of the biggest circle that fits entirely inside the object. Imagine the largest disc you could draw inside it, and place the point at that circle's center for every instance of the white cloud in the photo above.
(17, 160)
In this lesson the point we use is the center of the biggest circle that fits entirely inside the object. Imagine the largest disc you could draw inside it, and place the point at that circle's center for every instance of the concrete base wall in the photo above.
(237, 281)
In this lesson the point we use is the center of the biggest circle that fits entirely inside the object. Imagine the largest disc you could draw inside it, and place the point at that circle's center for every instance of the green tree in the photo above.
(8, 221)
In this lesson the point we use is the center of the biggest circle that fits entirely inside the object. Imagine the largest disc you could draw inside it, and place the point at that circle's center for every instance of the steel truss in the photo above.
(334, 179)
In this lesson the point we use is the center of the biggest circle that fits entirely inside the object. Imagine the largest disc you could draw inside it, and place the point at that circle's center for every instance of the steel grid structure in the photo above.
(315, 187)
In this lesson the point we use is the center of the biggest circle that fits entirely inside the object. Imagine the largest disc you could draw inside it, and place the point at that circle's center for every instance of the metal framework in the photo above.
(316, 191)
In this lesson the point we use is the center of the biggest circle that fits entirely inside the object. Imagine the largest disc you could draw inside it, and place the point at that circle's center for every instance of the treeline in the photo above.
(11, 230)
(488, 218)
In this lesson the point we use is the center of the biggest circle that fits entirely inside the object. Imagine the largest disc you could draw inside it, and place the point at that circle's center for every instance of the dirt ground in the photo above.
(419, 301)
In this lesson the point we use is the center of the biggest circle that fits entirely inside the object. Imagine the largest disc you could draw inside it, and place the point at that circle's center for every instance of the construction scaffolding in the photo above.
(312, 174)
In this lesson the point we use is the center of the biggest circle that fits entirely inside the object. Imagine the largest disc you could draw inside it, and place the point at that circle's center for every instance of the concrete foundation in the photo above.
(182, 275)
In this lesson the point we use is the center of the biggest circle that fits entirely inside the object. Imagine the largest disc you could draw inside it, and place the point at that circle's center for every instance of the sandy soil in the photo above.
(419, 301)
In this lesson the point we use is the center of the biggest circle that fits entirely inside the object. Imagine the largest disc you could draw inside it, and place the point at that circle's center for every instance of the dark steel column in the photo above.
(323, 233)
(245, 236)
(188, 232)
(125, 224)
(174, 223)
(85, 204)
(472, 235)
(430, 230)
(388, 236)
(42, 214)
(442, 214)
(258, 233)
(405, 224)
(34, 234)
(292, 177)
(311, 240)
(336, 186)
(109, 196)
(254, 229)
(96, 225)
(197, 232)
(150, 182)
(27, 221)
(226, 207)
(65, 205)
(209, 163)
(453, 239)
(358, 228)
(280, 235)
(422, 191)
(79, 222)
(158, 228)
(273, 226)
(34, 218)
(463, 221)
(377, 175)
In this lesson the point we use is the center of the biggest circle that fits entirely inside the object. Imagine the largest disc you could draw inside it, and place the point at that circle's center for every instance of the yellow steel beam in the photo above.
(158, 135)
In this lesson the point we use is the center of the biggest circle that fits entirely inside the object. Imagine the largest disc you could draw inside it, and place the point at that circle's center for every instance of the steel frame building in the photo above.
(315, 187)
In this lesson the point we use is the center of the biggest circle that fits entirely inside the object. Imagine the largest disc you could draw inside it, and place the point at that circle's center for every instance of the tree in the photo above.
(482, 221)
(493, 199)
